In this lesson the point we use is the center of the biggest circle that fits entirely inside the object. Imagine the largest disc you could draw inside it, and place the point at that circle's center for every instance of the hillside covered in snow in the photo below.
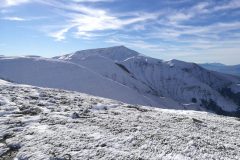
(122, 74)
(42, 123)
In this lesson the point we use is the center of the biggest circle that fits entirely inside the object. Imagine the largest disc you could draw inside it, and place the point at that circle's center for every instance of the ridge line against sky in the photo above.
(198, 31)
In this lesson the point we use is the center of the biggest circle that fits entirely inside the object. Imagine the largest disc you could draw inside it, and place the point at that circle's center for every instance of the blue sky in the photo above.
(191, 30)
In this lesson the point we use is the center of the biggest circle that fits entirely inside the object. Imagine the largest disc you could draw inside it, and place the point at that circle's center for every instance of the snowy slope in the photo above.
(38, 123)
(182, 81)
(167, 82)
(59, 74)
(102, 63)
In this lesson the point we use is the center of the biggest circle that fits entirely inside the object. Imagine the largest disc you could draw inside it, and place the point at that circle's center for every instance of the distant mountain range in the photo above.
(229, 69)
(123, 74)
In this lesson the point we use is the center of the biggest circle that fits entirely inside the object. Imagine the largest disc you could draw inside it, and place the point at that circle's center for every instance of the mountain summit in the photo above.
(116, 53)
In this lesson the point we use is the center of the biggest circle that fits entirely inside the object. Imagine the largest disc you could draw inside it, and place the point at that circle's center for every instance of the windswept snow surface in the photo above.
(38, 123)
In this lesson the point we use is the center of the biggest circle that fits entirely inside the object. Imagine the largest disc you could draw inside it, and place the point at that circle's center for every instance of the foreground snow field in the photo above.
(38, 123)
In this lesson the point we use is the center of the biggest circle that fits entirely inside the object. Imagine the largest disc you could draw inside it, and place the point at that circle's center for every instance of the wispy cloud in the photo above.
(233, 4)
(90, 23)
(137, 44)
(86, 20)
(60, 34)
(9, 3)
(14, 19)
(92, 0)
(212, 30)
(17, 18)
(178, 16)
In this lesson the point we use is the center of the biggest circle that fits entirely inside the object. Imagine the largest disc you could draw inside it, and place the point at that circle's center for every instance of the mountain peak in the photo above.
(116, 53)
(119, 47)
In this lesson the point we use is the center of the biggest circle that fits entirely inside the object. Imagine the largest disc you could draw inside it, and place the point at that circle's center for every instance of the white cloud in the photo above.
(14, 19)
(175, 32)
(185, 14)
(86, 20)
(60, 34)
(233, 4)
(177, 17)
(9, 3)
(104, 21)
(139, 27)
(92, 0)
(138, 44)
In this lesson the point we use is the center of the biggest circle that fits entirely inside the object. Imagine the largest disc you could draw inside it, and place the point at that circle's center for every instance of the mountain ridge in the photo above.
(167, 84)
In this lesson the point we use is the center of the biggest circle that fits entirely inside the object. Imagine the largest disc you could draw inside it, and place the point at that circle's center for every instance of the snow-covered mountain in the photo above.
(123, 74)
(183, 82)
(228, 69)
(42, 123)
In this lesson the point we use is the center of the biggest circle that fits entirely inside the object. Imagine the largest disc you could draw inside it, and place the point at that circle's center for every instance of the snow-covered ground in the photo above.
(41, 123)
